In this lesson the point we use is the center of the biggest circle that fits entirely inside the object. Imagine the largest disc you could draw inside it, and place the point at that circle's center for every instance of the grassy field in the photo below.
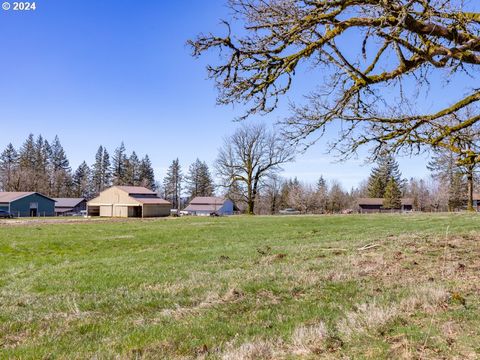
(379, 286)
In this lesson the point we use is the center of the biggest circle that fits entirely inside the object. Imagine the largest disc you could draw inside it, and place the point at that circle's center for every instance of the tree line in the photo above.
(41, 166)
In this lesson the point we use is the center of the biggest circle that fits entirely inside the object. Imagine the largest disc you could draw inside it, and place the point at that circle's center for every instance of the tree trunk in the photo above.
(470, 189)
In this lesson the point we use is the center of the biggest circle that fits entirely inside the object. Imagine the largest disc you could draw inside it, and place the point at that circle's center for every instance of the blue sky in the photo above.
(101, 72)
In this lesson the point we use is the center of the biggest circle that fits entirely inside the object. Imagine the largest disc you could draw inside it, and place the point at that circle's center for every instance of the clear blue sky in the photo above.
(101, 72)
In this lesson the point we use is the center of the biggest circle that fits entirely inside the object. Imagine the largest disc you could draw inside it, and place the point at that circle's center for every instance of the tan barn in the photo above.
(128, 201)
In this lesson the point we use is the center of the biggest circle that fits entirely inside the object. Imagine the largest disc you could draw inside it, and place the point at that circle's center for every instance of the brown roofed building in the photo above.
(70, 206)
(375, 205)
(128, 201)
(210, 205)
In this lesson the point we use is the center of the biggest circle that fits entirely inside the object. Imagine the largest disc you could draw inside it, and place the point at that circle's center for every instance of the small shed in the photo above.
(204, 206)
(375, 205)
(128, 201)
(27, 204)
(69, 206)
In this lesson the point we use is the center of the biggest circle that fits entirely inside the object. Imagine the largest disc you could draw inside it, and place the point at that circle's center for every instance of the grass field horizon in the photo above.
(246, 287)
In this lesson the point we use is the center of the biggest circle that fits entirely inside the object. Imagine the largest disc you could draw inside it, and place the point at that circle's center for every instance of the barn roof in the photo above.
(136, 190)
(207, 200)
(151, 201)
(379, 201)
(10, 196)
(68, 202)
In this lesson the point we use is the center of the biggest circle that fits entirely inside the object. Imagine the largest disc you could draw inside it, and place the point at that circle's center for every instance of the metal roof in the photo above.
(203, 207)
(68, 202)
(140, 190)
(207, 200)
(151, 201)
(9, 196)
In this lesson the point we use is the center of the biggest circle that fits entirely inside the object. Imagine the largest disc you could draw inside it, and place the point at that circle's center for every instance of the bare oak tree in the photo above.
(248, 157)
(364, 46)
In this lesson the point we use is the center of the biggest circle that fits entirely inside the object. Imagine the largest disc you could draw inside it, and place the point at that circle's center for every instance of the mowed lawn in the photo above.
(376, 286)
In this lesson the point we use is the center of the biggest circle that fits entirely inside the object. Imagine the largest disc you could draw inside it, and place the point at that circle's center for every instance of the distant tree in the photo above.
(456, 192)
(119, 162)
(146, 174)
(248, 157)
(60, 173)
(419, 191)
(132, 170)
(172, 183)
(337, 198)
(101, 175)
(392, 198)
(199, 181)
(82, 182)
(386, 169)
(322, 194)
(9, 169)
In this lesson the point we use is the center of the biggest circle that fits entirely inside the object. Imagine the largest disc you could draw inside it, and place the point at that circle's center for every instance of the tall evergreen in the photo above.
(444, 167)
(82, 185)
(173, 183)
(199, 181)
(9, 169)
(60, 171)
(101, 175)
(386, 169)
(132, 170)
(146, 174)
(119, 163)
(392, 198)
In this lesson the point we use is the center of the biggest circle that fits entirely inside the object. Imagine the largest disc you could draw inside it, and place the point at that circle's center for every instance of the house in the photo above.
(69, 206)
(128, 201)
(27, 204)
(375, 205)
(204, 206)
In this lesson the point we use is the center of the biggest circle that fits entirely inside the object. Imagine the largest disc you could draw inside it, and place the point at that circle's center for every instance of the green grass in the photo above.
(242, 287)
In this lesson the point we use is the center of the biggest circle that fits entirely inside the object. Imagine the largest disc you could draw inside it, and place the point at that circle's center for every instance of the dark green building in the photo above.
(27, 204)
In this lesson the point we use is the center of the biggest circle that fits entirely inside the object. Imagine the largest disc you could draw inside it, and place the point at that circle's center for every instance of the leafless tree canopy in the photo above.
(248, 157)
(397, 40)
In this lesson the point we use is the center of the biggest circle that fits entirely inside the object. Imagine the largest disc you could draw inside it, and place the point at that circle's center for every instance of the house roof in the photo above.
(67, 202)
(379, 201)
(9, 196)
(136, 190)
(207, 200)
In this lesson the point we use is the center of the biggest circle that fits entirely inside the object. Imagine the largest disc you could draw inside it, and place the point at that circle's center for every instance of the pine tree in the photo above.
(172, 184)
(445, 168)
(8, 169)
(386, 168)
(119, 162)
(199, 181)
(322, 194)
(146, 174)
(393, 196)
(132, 170)
(101, 175)
(60, 171)
(82, 182)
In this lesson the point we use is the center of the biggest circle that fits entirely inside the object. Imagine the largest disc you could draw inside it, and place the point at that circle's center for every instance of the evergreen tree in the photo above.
(60, 171)
(132, 170)
(393, 196)
(146, 174)
(322, 194)
(172, 184)
(101, 174)
(9, 169)
(199, 181)
(445, 168)
(82, 182)
(119, 162)
(386, 169)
